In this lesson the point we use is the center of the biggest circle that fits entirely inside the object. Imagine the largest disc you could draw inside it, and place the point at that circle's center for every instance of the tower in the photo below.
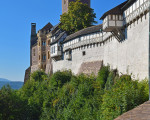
(33, 39)
(65, 4)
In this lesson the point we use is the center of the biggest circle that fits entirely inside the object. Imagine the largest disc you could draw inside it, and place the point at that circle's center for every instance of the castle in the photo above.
(121, 41)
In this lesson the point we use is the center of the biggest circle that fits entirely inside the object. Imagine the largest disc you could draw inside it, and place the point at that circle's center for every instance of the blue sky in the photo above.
(16, 17)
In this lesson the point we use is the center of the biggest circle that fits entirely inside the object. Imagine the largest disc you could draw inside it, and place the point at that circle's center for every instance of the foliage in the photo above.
(111, 79)
(38, 76)
(11, 105)
(124, 96)
(102, 76)
(64, 96)
(79, 16)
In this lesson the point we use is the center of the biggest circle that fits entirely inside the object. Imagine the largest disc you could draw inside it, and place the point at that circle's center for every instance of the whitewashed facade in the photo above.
(121, 42)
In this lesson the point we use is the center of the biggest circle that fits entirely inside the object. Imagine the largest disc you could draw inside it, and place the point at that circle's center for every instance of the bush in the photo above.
(11, 104)
(65, 96)
(38, 76)
(102, 76)
(124, 96)
(58, 79)
(110, 80)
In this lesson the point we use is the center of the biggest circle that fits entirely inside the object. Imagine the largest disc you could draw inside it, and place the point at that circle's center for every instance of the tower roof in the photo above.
(47, 27)
(114, 11)
(55, 28)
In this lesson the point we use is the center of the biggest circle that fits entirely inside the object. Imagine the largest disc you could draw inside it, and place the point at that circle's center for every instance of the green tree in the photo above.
(79, 16)
(124, 96)
(12, 107)
(64, 96)
(102, 76)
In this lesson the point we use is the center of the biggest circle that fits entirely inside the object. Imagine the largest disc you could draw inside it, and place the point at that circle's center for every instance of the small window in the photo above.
(39, 43)
(54, 49)
(118, 17)
(83, 53)
(48, 55)
(44, 57)
(51, 50)
(111, 17)
(39, 57)
(43, 43)
(67, 53)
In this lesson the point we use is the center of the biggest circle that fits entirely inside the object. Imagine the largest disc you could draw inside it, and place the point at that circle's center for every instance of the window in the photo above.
(54, 49)
(111, 17)
(44, 57)
(39, 57)
(43, 43)
(59, 48)
(39, 43)
(83, 53)
(48, 55)
(68, 52)
(51, 49)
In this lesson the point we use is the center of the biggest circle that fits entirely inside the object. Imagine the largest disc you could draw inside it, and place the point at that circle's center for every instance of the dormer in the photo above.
(113, 21)
(55, 46)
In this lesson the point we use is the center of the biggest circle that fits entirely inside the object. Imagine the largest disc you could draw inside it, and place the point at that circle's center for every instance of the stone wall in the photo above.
(27, 74)
(129, 56)
(90, 67)
(34, 68)
(48, 68)
(34, 55)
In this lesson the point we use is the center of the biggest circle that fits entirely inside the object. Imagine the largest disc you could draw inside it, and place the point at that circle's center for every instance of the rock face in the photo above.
(141, 112)
(27, 74)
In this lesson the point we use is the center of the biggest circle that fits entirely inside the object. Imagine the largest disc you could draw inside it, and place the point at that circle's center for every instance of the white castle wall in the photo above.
(129, 56)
